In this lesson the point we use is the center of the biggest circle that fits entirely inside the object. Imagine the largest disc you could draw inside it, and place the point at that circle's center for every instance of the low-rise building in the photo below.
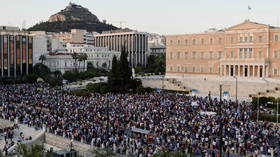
(76, 36)
(98, 57)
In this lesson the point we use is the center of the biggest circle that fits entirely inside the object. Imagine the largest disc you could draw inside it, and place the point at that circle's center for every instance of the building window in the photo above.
(186, 55)
(193, 69)
(178, 55)
(202, 41)
(251, 39)
(231, 39)
(211, 55)
(220, 54)
(275, 37)
(246, 38)
(193, 54)
(245, 53)
(260, 54)
(178, 42)
(194, 41)
(250, 52)
(275, 71)
(178, 69)
(241, 39)
(186, 42)
(201, 54)
(211, 69)
(220, 40)
(275, 54)
(211, 41)
(186, 68)
(171, 42)
(201, 69)
(240, 53)
(231, 54)
(260, 38)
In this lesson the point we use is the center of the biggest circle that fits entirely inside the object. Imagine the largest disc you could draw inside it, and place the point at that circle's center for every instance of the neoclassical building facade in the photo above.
(249, 50)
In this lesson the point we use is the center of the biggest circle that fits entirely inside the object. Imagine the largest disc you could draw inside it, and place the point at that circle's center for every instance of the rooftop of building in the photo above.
(120, 31)
(12, 30)
(246, 25)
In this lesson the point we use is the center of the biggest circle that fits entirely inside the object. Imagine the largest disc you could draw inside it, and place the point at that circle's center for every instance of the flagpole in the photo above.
(249, 9)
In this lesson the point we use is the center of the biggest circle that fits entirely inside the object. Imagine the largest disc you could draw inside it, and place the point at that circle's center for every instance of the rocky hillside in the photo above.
(73, 17)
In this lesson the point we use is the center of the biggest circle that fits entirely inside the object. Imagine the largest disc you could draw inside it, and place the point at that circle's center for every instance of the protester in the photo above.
(174, 122)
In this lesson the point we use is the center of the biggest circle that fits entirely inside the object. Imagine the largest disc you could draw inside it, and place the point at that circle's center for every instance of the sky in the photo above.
(153, 16)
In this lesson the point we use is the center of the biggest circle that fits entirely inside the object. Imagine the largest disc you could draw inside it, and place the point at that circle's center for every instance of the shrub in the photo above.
(30, 78)
(41, 69)
(80, 92)
(104, 89)
(140, 90)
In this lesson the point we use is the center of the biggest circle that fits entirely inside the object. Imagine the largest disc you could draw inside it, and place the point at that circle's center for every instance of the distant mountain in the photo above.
(73, 17)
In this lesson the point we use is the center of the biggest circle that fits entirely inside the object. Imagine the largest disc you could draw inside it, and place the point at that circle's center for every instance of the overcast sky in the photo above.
(155, 16)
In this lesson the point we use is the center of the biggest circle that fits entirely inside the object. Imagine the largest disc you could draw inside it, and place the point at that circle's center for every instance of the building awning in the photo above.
(194, 90)
(226, 93)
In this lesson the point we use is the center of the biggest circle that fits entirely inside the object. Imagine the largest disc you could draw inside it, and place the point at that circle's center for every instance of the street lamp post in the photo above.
(277, 117)
(108, 120)
(221, 123)
(236, 90)
(258, 112)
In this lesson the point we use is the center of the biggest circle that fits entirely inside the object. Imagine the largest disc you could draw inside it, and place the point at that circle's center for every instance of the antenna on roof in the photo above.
(23, 25)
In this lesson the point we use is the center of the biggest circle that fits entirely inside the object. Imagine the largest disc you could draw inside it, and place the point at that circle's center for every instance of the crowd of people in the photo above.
(8, 134)
(163, 121)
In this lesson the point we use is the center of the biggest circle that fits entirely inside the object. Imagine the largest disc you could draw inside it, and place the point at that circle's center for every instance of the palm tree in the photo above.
(42, 58)
(85, 57)
(80, 58)
(75, 56)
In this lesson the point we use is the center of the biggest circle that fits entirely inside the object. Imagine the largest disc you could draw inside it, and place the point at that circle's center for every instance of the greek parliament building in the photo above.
(16, 50)
(249, 52)
(135, 44)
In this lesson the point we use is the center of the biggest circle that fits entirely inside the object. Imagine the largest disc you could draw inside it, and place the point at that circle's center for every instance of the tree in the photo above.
(114, 76)
(42, 58)
(41, 70)
(34, 151)
(30, 78)
(75, 56)
(125, 70)
(84, 58)
(70, 76)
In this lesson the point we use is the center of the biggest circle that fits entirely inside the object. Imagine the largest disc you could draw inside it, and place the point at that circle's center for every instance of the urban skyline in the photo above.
(163, 17)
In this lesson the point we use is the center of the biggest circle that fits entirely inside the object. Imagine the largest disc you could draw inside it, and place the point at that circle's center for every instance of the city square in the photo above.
(181, 79)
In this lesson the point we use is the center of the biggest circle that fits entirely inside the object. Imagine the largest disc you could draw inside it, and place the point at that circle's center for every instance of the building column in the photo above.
(237, 70)
(259, 71)
(263, 71)
(266, 71)
(8, 53)
(243, 70)
(253, 70)
(234, 70)
(225, 70)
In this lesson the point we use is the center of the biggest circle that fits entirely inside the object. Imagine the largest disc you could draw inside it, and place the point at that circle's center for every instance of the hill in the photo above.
(73, 17)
